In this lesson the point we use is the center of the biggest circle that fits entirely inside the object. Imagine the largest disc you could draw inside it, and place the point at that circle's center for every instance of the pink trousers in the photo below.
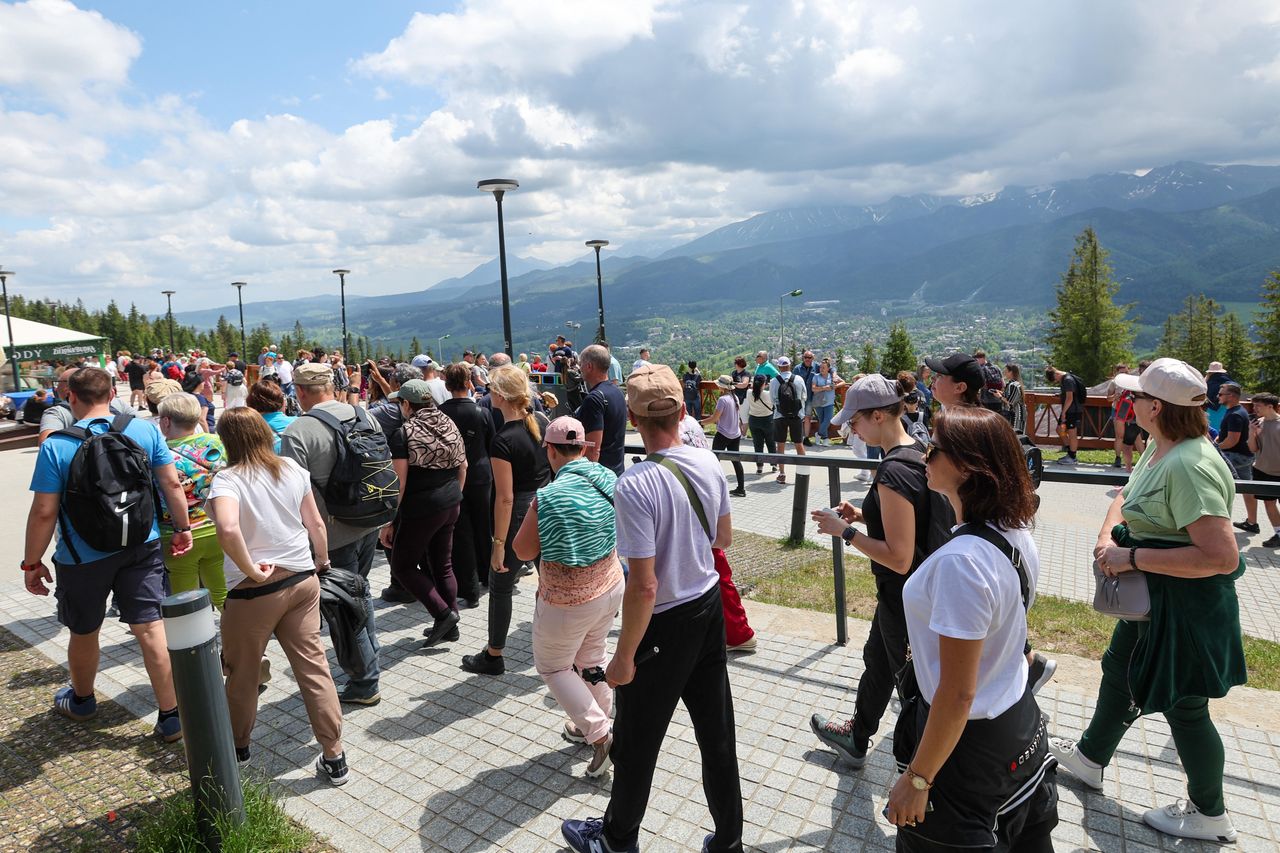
(564, 637)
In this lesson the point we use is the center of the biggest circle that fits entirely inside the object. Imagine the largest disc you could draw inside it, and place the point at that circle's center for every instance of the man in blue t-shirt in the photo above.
(87, 576)
(603, 411)
(805, 370)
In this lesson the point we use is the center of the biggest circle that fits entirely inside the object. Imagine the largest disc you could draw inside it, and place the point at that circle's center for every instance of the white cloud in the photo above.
(651, 122)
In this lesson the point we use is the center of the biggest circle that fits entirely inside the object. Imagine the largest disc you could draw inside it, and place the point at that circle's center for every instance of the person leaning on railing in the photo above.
(1171, 522)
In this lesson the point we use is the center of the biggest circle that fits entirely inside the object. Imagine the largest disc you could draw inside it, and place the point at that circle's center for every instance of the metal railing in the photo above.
(800, 508)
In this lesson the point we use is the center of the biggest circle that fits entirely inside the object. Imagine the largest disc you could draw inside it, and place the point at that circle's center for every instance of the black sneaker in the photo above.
(334, 768)
(453, 636)
(839, 736)
(1247, 526)
(1273, 542)
(484, 663)
(738, 493)
(242, 755)
(397, 595)
(468, 602)
(437, 632)
(1040, 671)
(352, 696)
(1118, 463)
(808, 442)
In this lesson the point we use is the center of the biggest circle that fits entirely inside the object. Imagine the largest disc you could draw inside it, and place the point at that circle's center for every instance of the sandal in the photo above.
(782, 478)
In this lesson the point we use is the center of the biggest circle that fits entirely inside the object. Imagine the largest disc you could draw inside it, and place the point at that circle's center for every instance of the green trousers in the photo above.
(201, 566)
(1194, 736)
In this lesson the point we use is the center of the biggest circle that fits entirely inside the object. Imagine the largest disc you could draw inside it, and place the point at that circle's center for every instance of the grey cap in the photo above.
(416, 391)
(870, 392)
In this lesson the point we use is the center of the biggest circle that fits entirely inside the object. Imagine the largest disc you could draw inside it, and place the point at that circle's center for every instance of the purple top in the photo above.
(727, 423)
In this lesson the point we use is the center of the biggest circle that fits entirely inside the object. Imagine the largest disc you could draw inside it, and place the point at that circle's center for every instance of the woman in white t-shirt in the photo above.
(978, 771)
(271, 581)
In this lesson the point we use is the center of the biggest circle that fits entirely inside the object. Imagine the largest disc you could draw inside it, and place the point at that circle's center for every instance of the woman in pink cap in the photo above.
(580, 584)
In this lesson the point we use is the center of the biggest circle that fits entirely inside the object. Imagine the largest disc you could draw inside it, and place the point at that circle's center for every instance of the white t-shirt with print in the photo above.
(968, 590)
(270, 516)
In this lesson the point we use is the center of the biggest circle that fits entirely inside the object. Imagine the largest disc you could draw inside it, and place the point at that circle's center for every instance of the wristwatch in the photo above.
(182, 530)
(917, 781)
(848, 535)
(31, 567)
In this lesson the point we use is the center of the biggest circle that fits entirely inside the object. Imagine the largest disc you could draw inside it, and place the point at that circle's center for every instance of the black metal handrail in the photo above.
(1052, 474)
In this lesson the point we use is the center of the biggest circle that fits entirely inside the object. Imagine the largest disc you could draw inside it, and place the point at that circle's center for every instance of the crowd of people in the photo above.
(465, 478)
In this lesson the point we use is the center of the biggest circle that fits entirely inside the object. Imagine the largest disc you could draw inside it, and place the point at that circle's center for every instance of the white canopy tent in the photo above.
(40, 341)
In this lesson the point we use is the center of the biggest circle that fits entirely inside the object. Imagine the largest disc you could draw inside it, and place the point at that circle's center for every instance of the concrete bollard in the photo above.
(202, 704)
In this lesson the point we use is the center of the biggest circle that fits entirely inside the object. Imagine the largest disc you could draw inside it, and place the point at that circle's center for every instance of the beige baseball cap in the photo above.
(313, 374)
(1167, 379)
(653, 391)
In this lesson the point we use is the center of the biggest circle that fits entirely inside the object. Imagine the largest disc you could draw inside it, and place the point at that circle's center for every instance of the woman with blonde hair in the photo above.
(271, 582)
(520, 468)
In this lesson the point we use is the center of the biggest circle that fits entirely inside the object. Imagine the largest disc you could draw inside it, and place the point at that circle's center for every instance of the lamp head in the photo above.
(497, 185)
(342, 272)
(238, 284)
(796, 292)
(597, 244)
(168, 292)
(7, 273)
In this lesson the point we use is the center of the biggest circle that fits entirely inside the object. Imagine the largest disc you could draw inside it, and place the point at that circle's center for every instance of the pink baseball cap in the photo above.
(566, 430)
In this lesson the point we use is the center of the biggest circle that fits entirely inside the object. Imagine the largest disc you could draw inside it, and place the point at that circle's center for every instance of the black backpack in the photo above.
(109, 499)
(691, 385)
(991, 383)
(788, 401)
(235, 378)
(1034, 457)
(363, 490)
(941, 516)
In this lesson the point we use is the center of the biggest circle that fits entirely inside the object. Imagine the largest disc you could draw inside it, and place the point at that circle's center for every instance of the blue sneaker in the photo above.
(706, 842)
(587, 836)
(65, 703)
(169, 729)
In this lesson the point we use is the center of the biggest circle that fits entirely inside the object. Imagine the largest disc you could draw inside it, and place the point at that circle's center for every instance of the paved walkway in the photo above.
(457, 762)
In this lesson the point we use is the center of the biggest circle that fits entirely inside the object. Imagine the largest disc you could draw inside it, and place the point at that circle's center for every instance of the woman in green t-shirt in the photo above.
(1172, 522)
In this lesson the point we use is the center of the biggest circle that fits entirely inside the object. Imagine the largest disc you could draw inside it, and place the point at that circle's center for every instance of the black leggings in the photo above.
(723, 442)
(503, 584)
(762, 435)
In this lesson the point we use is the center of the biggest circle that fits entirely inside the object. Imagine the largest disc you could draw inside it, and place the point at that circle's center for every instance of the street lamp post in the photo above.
(440, 347)
(499, 187)
(168, 295)
(13, 352)
(239, 286)
(598, 245)
(781, 336)
(342, 290)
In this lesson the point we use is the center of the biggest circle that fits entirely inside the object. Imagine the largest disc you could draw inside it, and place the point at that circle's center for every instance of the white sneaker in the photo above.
(1069, 758)
(748, 645)
(1185, 821)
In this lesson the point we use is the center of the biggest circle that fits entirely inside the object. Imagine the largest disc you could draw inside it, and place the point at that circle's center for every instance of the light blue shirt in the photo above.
(615, 371)
(54, 461)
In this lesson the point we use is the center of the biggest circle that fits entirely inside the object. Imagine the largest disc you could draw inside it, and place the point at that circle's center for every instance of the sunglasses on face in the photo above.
(933, 450)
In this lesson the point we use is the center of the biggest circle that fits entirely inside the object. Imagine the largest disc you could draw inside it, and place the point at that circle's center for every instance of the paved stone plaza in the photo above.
(453, 761)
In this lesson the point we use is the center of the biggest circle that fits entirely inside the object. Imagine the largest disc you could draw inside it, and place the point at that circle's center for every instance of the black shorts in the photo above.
(1131, 433)
(136, 575)
(1264, 477)
(783, 426)
(1072, 419)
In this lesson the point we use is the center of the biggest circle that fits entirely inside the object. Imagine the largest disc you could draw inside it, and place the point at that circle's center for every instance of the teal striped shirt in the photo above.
(575, 521)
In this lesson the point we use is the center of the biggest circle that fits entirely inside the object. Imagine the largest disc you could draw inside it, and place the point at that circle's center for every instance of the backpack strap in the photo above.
(1004, 546)
(694, 500)
(594, 485)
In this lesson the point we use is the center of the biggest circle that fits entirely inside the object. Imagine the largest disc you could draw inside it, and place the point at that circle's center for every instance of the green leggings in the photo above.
(201, 566)
(1198, 743)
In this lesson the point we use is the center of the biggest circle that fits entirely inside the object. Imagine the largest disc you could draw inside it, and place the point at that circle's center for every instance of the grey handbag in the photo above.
(1124, 596)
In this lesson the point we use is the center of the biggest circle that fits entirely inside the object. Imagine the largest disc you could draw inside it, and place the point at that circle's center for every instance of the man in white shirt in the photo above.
(672, 641)
(788, 394)
(642, 361)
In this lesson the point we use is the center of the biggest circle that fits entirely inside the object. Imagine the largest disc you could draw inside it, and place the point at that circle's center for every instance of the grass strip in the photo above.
(266, 828)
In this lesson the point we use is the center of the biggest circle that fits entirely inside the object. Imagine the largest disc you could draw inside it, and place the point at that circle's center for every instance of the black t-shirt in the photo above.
(908, 479)
(530, 469)
(1235, 420)
(34, 409)
(426, 490)
(605, 409)
(135, 370)
(738, 377)
(476, 426)
(1072, 384)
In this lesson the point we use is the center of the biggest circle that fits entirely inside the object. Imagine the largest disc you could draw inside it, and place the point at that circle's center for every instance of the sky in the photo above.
(152, 146)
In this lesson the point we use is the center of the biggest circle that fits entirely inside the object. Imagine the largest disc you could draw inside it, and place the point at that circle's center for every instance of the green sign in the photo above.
(65, 351)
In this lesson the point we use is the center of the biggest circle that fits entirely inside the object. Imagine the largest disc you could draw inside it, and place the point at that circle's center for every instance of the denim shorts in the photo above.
(136, 575)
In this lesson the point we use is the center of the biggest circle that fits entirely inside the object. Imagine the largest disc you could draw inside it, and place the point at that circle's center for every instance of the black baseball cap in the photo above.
(960, 366)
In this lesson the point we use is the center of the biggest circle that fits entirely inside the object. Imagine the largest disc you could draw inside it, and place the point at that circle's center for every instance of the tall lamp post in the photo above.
(598, 245)
(8, 318)
(168, 295)
(342, 290)
(239, 286)
(499, 187)
(440, 347)
(781, 327)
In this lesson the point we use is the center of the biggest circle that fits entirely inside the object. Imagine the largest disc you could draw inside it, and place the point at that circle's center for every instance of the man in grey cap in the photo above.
(314, 445)
(387, 413)
(429, 374)
(59, 416)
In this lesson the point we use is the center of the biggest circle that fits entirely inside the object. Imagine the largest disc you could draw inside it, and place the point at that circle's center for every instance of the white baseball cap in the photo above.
(1168, 379)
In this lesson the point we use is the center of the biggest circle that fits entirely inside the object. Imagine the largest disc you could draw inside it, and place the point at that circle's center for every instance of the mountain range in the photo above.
(1171, 231)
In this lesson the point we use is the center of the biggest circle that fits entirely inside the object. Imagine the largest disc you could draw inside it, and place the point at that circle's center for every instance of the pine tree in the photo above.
(839, 360)
(1237, 351)
(414, 346)
(1268, 351)
(899, 354)
(1088, 332)
(868, 362)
